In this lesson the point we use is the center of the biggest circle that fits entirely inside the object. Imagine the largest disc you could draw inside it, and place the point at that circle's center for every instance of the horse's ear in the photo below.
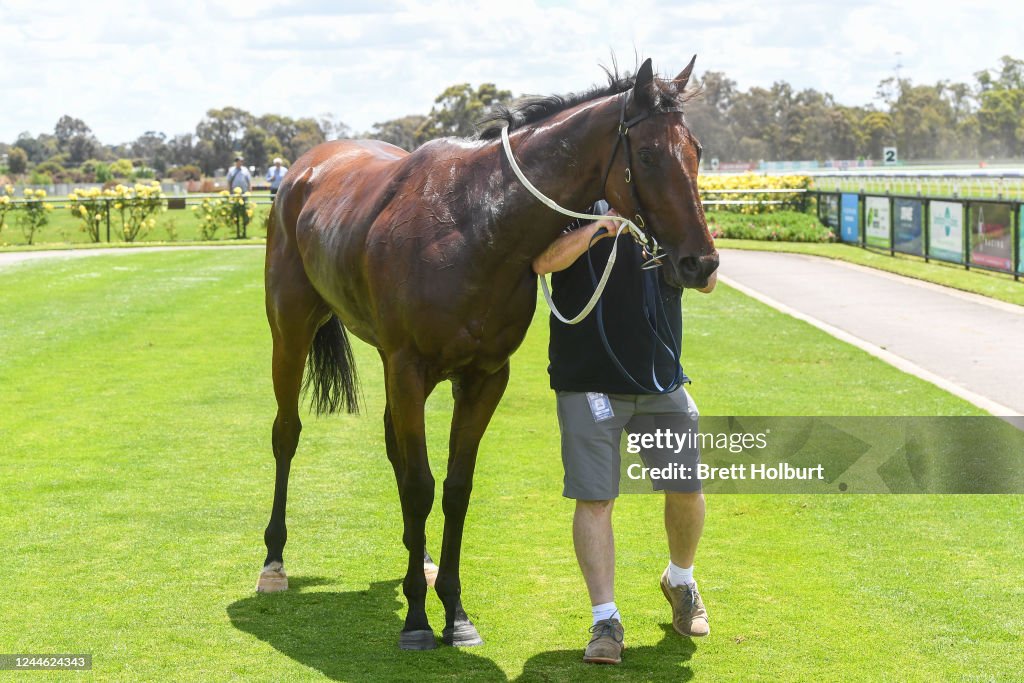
(643, 85)
(684, 76)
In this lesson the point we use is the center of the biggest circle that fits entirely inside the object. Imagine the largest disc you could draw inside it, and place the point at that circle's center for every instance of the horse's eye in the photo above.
(646, 157)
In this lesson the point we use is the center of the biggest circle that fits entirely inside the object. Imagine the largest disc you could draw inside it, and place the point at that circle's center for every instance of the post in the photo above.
(863, 225)
(926, 226)
(966, 227)
(107, 202)
(892, 227)
(1015, 220)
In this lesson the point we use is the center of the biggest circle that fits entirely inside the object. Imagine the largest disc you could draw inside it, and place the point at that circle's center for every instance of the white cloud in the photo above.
(127, 67)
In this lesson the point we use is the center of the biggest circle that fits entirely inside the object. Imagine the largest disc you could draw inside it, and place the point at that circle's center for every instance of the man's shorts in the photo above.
(592, 426)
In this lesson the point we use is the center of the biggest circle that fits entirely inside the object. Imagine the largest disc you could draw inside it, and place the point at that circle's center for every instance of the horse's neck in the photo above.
(563, 159)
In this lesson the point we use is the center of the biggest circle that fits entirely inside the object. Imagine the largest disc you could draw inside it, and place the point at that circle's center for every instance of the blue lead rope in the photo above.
(649, 285)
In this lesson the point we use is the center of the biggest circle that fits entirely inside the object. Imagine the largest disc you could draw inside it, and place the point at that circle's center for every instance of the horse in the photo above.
(427, 257)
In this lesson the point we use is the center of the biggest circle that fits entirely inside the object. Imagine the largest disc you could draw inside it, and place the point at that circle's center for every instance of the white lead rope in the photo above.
(550, 203)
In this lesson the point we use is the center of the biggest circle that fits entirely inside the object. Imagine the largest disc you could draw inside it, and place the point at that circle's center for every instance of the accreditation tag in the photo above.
(600, 406)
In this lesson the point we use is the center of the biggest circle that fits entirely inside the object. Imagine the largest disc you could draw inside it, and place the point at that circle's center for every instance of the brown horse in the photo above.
(426, 256)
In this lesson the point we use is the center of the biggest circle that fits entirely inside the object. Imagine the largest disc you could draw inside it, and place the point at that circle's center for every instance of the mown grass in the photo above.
(137, 476)
(996, 285)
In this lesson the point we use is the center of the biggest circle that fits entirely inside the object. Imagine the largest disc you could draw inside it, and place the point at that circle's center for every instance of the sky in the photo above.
(128, 67)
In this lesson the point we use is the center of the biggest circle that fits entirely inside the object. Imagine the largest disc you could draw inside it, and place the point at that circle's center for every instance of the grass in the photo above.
(996, 285)
(137, 477)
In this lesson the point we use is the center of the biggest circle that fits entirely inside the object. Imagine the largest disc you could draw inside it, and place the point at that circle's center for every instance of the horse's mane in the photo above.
(534, 108)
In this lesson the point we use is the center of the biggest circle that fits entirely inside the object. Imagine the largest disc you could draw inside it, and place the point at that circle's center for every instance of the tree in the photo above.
(17, 160)
(223, 129)
(151, 148)
(308, 135)
(400, 132)
(458, 108)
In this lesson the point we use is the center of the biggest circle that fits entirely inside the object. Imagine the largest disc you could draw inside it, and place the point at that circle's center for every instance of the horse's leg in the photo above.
(429, 568)
(407, 390)
(295, 311)
(476, 397)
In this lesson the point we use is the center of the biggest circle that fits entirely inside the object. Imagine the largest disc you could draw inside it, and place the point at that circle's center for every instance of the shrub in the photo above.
(226, 211)
(5, 203)
(781, 226)
(712, 185)
(34, 214)
(122, 168)
(136, 206)
(182, 173)
(92, 207)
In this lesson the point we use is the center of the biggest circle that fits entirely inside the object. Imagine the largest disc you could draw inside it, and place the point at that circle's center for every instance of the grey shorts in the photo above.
(592, 438)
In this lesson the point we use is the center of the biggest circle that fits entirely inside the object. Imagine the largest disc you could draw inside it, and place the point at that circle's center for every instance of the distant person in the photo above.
(239, 177)
(275, 174)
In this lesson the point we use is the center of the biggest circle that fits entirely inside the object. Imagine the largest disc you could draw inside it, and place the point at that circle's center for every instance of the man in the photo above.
(239, 177)
(275, 174)
(596, 402)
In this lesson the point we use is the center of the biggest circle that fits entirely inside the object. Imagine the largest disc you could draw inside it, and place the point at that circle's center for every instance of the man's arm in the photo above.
(564, 251)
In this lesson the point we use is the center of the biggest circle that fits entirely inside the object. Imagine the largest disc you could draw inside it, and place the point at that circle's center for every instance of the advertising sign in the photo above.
(907, 223)
(876, 221)
(850, 217)
(992, 235)
(1020, 240)
(946, 231)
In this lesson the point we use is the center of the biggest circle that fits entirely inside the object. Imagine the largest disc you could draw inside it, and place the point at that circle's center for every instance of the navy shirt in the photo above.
(629, 310)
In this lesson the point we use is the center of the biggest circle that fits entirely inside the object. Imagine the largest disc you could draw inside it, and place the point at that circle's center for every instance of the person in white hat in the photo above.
(275, 174)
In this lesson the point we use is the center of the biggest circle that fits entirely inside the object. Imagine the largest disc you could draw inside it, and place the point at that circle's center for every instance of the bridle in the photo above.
(651, 248)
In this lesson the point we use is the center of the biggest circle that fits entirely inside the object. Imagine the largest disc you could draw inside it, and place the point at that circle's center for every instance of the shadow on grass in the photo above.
(664, 661)
(351, 636)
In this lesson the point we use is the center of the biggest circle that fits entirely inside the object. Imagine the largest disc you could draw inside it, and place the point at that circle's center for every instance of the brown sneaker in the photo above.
(689, 617)
(606, 646)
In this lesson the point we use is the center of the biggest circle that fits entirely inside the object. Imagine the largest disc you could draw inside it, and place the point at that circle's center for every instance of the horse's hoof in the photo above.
(430, 572)
(464, 634)
(272, 579)
(422, 639)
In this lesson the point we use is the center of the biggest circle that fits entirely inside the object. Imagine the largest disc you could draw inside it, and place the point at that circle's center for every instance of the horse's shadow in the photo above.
(350, 636)
(353, 636)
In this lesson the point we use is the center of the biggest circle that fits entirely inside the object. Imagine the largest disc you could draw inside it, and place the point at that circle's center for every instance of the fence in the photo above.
(977, 233)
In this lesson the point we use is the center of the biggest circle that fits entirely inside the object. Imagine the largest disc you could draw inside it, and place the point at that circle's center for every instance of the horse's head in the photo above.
(653, 175)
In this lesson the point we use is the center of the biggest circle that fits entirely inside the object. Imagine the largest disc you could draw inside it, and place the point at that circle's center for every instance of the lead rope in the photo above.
(637, 233)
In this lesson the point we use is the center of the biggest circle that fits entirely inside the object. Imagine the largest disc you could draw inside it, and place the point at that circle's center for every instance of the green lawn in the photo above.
(137, 475)
(996, 285)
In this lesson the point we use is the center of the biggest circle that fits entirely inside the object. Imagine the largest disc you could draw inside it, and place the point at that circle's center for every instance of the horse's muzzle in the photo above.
(694, 271)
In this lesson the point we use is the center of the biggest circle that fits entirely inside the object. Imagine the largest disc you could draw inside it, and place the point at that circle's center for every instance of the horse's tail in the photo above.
(331, 371)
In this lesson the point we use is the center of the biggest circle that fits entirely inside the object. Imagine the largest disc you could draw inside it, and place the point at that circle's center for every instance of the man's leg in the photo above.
(591, 429)
(594, 542)
(684, 523)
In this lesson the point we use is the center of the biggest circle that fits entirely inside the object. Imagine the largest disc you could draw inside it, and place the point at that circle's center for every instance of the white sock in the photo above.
(605, 610)
(677, 576)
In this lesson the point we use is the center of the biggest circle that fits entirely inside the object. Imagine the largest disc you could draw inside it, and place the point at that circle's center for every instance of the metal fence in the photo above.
(977, 233)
